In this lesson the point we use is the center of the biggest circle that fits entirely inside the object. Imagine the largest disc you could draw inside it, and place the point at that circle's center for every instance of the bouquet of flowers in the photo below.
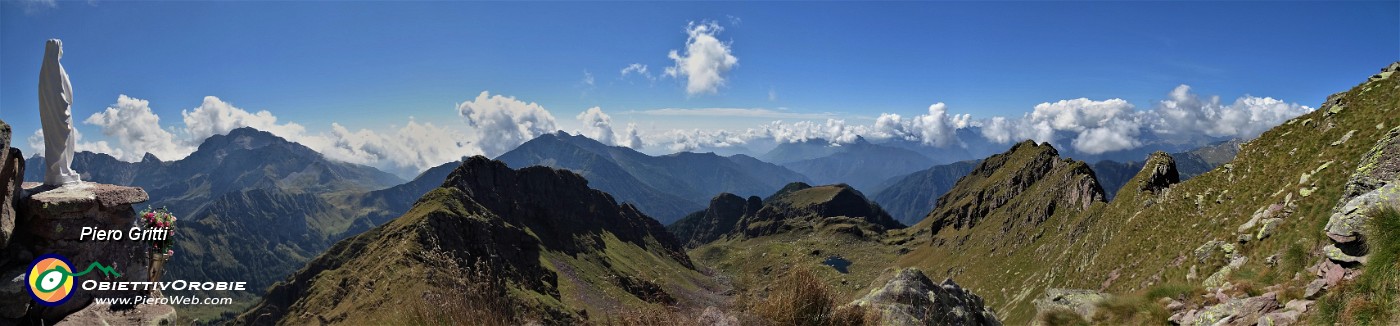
(160, 219)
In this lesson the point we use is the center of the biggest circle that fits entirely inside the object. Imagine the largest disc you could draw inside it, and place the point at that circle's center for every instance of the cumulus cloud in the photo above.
(137, 131)
(705, 60)
(597, 125)
(937, 128)
(1185, 113)
(500, 123)
(36, 143)
(216, 117)
(409, 149)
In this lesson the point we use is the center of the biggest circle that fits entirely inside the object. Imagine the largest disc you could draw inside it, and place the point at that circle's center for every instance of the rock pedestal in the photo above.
(51, 221)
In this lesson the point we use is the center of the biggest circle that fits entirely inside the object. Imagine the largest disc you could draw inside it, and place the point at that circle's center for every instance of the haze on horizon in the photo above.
(406, 86)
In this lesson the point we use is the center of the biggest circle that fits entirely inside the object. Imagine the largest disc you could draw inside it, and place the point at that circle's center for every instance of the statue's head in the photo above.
(54, 46)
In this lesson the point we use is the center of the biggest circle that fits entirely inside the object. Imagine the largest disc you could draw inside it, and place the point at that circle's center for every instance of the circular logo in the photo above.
(51, 279)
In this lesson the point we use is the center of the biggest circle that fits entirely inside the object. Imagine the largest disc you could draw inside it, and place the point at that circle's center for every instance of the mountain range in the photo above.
(860, 163)
(666, 187)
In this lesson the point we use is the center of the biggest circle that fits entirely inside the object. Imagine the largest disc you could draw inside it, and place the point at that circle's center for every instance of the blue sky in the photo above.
(372, 65)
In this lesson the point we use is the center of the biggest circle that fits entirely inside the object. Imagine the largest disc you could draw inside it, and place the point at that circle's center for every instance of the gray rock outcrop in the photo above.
(11, 174)
(1375, 184)
(1162, 173)
(911, 298)
(51, 220)
(1084, 303)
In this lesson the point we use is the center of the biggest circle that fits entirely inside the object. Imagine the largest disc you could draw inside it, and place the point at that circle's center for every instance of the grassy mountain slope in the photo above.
(797, 228)
(1144, 241)
(575, 257)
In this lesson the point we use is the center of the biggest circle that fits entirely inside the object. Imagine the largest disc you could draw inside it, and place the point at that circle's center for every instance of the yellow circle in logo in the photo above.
(50, 279)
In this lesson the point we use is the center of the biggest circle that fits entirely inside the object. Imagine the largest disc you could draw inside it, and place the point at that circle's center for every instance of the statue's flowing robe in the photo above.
(55, 101)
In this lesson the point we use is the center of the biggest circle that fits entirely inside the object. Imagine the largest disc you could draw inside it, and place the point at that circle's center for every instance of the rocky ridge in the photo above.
(553, 258)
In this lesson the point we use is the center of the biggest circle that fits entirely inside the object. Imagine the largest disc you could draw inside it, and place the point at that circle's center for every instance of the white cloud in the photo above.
(406, 151)
(937, 128)
(637, 69)
(597, 125)
(500, 123)
(734, 112)
(705, 61)
(587, 78)
(1184, 113)
(216, 117)
(1099, 126)
(36, 143)
(137, 131)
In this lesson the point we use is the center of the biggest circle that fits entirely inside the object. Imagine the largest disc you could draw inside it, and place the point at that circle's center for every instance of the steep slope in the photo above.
(666, 187)
(1246, 229)
(860, 164)
(912, 196)
(579, 255)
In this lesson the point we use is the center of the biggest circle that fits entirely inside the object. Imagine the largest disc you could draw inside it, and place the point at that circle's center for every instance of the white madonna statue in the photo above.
(55, 100)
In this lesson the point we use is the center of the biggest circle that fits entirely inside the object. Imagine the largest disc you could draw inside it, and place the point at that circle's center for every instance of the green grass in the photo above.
(1374, 297)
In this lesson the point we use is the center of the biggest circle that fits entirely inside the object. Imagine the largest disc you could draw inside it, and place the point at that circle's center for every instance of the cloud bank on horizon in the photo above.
(492, 124)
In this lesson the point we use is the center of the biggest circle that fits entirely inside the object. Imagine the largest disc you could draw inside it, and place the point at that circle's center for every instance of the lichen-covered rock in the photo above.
(1221, 276)
(1379, 166)
(1349, 221)
(1243, 311)
(911, 298)
(1082, 302)
(1337, 255)
(1267, 228)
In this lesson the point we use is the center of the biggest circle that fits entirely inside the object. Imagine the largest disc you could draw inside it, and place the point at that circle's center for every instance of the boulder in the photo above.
(1242, 311)
(53, 220)
(1348, 222)
(911, 298)
(1082, 302)
(1268, 228)
(1279, 318)
(1315, 289)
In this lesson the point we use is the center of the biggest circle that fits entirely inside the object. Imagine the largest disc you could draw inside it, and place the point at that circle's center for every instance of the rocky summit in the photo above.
(486, 246)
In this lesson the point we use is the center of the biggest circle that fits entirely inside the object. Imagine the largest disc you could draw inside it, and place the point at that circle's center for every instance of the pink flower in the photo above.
(170, 252)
